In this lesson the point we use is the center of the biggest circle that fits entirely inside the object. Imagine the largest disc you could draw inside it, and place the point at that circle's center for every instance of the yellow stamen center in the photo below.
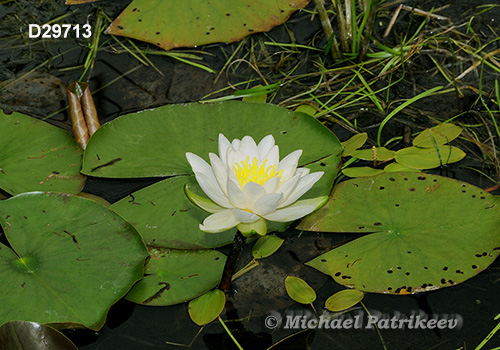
(246, 172)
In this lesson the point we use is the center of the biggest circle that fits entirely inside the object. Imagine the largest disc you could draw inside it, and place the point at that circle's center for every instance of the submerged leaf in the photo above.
(429, 232)
(31, 335)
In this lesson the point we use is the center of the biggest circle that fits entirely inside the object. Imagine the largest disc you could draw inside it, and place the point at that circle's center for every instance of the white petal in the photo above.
(253, 191)
(289, 186)
(245, 216)
(202, 202)
(302, 171)
(224, 144)
(273, 157)
(272, 184)
(289, 164)
(304, 185)
(265, 145)
(199, 165)
(249, 148)
(220, 171)
(212, 190)
(219, 222)
(236, 144)
(267, 204)
(236, 196)
(296, 210)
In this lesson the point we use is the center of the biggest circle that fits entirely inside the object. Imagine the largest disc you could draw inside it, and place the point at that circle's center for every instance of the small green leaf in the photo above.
(266, 246)
(428, 158)
(354, 143)
(361, 171)
(343, 300)
(299, 290)
(375, 153)
(307, 109)
(438, 135)
(207, 307)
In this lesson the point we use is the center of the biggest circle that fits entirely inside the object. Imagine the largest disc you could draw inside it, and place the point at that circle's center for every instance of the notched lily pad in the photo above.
(428, 232)
(37, 156)
(170, 24)
(175, 276)
(70, 260)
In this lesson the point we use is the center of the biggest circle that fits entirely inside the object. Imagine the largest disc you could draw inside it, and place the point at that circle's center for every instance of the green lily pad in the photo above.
(191, 23)
(119, 148)
(71, 259)
(175, 276)
(37, 156)
(207, 307)
(266, 246)
(438, 135)
(429, 232)
(19, 335)
(375, 153)
(299, 290)
(428, 158)
(354, 143)
(343, 300)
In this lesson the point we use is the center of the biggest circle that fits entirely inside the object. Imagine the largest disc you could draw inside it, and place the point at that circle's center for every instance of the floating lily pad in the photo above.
(398, 168)
(71, 259)
(120, 148)
(37, 156)
(429, 232)
(438, 135)
(175, 276)
(170, 24)
(428, 158)
(18, 335)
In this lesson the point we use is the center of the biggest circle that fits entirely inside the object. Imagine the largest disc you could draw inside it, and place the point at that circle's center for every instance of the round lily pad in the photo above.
(37, 156)
(69, 260)
(171, 24)
(429, 232)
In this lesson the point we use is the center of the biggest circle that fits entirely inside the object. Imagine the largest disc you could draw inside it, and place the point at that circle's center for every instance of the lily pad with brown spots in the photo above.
(427, 232)
(171, 24)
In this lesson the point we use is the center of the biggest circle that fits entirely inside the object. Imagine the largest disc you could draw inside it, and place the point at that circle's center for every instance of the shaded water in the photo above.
(260, 293)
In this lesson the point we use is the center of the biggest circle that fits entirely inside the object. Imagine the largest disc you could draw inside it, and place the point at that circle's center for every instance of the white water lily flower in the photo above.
(247, 185)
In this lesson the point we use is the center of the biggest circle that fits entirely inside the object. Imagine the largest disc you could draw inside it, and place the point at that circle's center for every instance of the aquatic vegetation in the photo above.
(248, 185)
